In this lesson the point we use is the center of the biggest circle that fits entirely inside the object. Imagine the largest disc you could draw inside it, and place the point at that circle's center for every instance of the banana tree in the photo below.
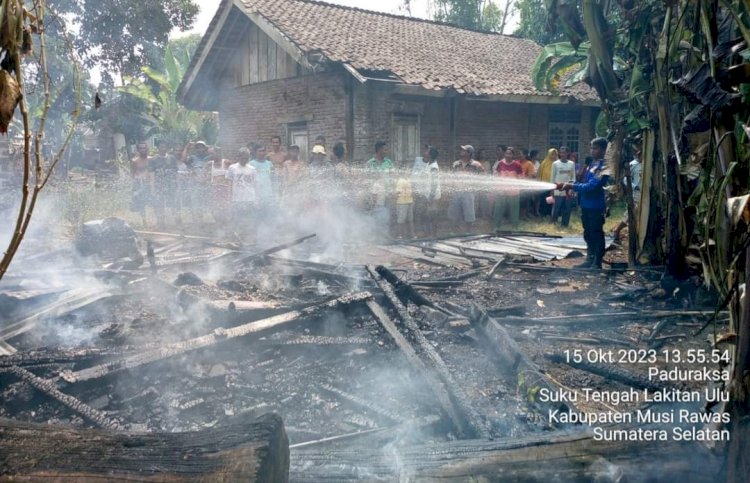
(685, 94)
(165, 117)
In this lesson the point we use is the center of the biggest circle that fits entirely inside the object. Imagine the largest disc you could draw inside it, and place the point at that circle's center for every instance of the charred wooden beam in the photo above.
(271, 324)
(433, 381)
(473, 424)
(600, 318)
(402, 427)
(407, 291)
(518, 369)
(241, 451)
(566, 457)
(276, 248)
(361, 403)
(517, 310)
(61, 356)
(73, 300)
(49, 389)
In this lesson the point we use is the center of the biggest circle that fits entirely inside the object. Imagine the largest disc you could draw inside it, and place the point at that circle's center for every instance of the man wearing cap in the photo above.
(461, 207)
(319, 164)
(593, 204)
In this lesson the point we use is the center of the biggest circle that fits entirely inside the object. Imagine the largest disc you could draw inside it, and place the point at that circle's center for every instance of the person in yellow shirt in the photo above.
(404, 205)
(545, 174)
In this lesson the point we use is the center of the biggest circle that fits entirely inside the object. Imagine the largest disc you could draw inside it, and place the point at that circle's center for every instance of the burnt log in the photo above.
(407, 291)
(563, 457)
(507, 355)
(441, 392)
(468, 419)
(243, 451)
(49, 389)
(275, 249)
(219, 335)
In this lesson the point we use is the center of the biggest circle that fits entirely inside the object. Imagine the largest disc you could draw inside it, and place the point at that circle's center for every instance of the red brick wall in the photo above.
(258, 111)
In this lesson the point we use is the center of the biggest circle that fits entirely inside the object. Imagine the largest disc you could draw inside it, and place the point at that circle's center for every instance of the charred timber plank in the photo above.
(271, 324)
(242, 451)
(407, 291)
(361, 403)
(6, 349)
(277, 248)
(73, 300)
(473, 425)
(404, 427)
(518, 369)
(61, 356)
(517, 310)
(433, 381)
(560, 458)
(612, 372)
(601, 318)
(48, 388)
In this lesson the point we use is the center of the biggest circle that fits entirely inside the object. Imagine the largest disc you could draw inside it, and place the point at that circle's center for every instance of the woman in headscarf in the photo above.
(545, 174)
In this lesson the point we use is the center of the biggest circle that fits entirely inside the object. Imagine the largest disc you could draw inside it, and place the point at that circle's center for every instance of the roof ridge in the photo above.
(397, 16)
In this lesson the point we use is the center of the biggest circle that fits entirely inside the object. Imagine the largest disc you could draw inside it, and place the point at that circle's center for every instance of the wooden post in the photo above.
(242, 451)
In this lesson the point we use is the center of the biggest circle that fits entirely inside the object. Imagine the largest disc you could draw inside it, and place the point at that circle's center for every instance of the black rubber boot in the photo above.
(585, 264)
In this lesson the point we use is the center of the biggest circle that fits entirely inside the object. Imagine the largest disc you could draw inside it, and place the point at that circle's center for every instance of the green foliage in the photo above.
(116, 35)
(483, 15)
(560, 61)
(162, 114)
(532, 23)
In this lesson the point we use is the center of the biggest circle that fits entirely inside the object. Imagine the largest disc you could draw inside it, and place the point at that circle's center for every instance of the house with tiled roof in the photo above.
(303, 68)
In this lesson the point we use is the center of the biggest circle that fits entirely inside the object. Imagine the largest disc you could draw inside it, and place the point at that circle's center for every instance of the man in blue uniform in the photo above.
(593, 204)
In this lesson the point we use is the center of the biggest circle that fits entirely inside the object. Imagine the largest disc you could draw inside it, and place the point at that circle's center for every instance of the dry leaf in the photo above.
(10, 96)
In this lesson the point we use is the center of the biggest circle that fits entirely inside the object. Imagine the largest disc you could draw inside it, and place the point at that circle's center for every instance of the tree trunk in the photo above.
(738, 456)
(244, 451)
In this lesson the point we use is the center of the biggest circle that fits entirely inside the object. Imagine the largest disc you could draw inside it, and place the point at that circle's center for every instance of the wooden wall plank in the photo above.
(280, 62)
(253, 57)
(271, 67)
(262, 57)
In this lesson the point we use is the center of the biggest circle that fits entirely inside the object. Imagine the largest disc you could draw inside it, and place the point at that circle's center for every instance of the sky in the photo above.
(419, 8)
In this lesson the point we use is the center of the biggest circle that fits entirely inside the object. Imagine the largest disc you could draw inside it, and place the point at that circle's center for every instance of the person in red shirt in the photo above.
(507, 199)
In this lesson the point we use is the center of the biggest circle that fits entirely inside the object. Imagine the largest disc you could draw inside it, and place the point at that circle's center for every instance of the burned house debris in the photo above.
(282, 335)
(430, 359)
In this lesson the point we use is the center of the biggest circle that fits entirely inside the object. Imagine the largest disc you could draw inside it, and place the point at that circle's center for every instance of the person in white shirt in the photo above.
(563, 171)
(244, 180)
(425, 179)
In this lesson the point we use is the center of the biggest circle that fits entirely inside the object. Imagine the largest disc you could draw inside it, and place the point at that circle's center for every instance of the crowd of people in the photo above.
(261, 182)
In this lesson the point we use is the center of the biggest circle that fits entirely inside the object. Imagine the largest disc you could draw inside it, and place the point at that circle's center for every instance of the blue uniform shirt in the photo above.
(592, 187)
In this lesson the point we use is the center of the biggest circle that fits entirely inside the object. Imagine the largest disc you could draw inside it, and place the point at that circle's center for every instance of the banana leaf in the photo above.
(700, 87)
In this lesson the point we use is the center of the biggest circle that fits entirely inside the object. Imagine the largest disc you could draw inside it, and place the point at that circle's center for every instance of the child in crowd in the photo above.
(404, 204)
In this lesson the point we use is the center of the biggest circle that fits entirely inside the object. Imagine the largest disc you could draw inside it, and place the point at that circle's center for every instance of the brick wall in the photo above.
(484, 125)
(258, 111)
